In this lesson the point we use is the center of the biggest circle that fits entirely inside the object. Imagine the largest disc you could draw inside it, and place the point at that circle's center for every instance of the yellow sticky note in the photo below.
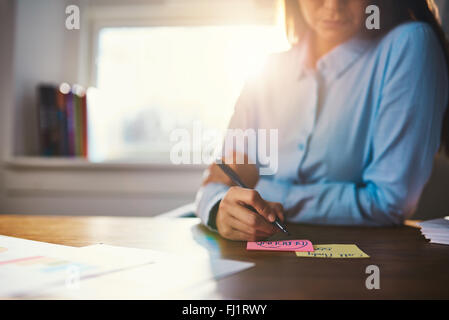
(334, 251)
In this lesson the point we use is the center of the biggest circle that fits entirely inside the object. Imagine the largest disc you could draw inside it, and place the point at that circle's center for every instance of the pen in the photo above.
(236, 179)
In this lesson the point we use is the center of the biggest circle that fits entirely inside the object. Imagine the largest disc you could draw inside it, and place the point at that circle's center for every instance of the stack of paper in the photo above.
(437, 230)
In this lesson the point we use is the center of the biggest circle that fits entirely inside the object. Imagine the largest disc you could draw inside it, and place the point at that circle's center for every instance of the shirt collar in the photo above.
(337, 61)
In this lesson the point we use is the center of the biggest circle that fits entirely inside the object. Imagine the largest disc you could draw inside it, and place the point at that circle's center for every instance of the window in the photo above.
(151, 80)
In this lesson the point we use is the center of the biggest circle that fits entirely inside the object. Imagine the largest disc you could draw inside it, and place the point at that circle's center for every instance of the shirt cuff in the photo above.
(206, 198)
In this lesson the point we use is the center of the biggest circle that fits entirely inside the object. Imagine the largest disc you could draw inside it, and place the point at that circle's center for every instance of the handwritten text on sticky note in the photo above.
(285, 245)
(334, 251)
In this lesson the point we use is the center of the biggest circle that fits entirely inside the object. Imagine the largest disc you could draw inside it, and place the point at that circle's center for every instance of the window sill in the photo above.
(75, 177)
(48, 163)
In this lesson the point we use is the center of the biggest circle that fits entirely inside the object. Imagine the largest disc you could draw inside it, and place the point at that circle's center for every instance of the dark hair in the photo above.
(394, 12)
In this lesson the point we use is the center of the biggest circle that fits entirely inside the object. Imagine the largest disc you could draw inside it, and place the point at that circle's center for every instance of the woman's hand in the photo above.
(235, 221)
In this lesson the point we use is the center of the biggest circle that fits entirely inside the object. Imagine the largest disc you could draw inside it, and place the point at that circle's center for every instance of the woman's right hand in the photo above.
(235, 221)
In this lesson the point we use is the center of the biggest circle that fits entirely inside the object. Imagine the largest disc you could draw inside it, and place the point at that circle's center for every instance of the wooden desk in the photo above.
(410, 267)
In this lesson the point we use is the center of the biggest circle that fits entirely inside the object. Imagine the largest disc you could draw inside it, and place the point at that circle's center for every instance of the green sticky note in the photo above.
(335, 251)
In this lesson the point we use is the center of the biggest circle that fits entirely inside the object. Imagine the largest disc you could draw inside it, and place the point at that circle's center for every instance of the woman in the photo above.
(360, 114)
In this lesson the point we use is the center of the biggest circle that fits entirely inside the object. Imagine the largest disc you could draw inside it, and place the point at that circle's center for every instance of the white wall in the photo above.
(44, 51)
(39, 50)
(6, 80)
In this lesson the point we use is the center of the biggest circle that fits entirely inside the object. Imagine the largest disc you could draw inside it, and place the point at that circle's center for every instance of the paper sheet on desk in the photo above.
(284, 245)
(29, 267)
(334, 251)
(171, 278)
(36, 269)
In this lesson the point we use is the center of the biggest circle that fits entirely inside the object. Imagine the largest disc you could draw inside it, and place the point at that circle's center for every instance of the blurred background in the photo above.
(147, 68)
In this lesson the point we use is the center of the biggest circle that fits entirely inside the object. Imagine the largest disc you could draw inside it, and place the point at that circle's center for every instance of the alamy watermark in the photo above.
(205, 146)
(373, 20)
(73, 277)
(72, 21)
(373, 280)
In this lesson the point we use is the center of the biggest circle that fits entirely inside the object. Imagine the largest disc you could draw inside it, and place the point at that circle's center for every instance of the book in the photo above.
(61, 98)
(48, 120)
(84, 126)
(78, 94)
(63, 120)
(70, 109)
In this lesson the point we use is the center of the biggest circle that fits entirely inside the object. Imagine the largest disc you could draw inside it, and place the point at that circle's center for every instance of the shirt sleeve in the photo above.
(405, 138)
(242, 118)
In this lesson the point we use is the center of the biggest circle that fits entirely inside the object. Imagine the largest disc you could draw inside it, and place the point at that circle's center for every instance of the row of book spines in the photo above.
(63, 121)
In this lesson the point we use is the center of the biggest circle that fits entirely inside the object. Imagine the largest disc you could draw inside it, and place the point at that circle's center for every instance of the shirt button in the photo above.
(301, 146)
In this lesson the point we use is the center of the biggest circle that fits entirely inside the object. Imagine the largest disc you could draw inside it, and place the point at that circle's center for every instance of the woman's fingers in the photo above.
(279, 209)
(238, 235)
(252, 198)
(237, 220)
(251, 219)
(250, 231)
(234, 229)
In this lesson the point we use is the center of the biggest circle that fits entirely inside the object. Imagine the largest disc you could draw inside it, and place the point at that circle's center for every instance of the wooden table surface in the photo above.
(410, 267)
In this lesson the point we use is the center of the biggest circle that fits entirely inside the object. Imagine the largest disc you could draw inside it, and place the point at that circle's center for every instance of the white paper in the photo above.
(442, 223)
(28, 267)
(439, 241)
(437, 230)
(172, 277)
(32, 269)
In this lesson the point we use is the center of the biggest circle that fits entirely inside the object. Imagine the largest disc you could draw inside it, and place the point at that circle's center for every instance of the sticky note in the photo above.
(334, 251)
(284, 245)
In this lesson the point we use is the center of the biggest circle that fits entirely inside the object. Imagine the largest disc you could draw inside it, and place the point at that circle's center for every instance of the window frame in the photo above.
(171, 13)
(39, 176)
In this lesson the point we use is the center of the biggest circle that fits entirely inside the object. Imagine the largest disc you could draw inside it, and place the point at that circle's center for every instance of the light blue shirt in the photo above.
(357, 136)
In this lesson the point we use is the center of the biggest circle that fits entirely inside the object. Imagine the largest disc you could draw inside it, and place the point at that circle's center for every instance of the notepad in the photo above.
(284, 245)
(337, 251)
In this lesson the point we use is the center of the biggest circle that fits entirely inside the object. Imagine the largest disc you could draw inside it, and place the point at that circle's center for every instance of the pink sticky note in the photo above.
(284, 245)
